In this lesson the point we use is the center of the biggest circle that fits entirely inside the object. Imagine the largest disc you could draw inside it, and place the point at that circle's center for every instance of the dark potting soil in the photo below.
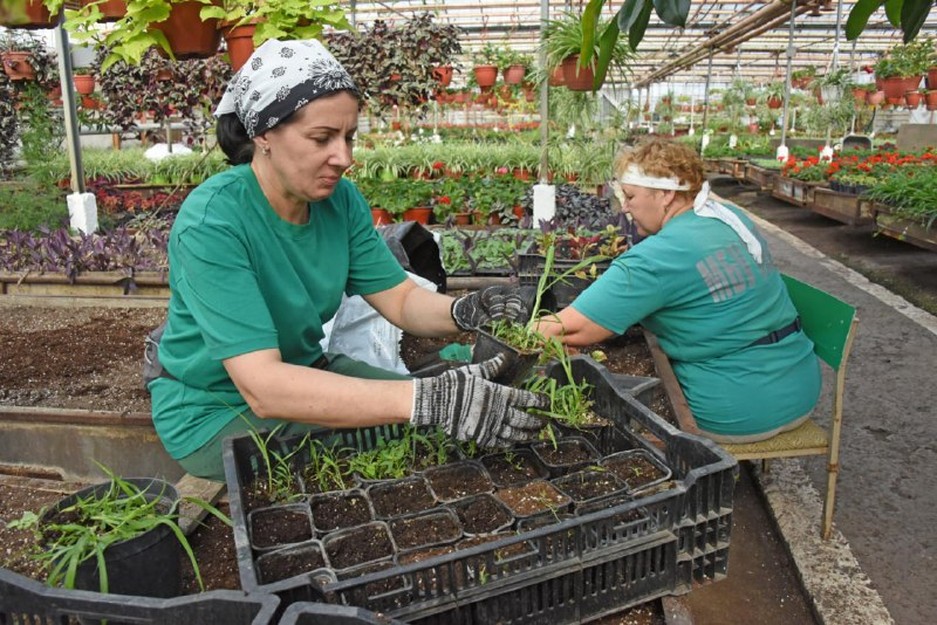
(532, 498)
(380, 587)
(279, 526)
(635, 470)
(502, 553)
(401, 497)
(289, 562)
(332, 511)
(458, 480)
(481, 514)
(566, 453)
(584, 485)
(513, 467)
(431, 528)
(357, 545)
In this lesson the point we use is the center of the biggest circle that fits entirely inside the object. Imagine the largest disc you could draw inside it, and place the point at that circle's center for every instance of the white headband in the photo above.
(636, 176)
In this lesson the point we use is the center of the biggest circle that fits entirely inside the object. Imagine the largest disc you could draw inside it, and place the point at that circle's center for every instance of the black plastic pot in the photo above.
(517, 365)
(577, 453)
(148, 565)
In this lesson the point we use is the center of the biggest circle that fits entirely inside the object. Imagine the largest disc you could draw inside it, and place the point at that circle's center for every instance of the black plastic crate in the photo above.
(307, 613)
(24, 600)
(580, 568)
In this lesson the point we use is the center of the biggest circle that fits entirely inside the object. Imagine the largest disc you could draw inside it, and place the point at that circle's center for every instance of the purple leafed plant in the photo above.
(58, 251)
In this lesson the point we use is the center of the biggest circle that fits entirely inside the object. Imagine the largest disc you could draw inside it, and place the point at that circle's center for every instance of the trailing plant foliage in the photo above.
(28, 206)
(481, 251)
(135, 93)
(393, 64)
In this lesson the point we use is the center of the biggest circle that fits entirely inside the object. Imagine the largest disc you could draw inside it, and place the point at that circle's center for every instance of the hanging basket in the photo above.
(111, 10)
(575, 77)
(189, 37)
(443, 74)
(17, 66)
(556, 78)
(514, 74)
(485, 75)
(33, 16)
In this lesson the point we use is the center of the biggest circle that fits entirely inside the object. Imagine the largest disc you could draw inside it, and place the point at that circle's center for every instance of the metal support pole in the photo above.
(544, 96)
(709, 75)
(72, 129)
(787, 78)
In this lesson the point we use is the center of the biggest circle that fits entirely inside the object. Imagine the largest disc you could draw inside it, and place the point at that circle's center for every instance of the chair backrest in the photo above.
(826, 319)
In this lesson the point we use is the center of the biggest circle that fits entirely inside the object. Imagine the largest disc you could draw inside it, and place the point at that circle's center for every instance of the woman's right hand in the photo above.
(468, 406)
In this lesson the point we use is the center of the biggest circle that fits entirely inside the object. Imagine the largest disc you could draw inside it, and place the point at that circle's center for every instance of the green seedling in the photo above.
(328, 465)
(94, 523)
(280, 482)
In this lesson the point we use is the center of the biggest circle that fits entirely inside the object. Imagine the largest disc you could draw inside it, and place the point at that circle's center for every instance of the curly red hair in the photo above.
(658, 157)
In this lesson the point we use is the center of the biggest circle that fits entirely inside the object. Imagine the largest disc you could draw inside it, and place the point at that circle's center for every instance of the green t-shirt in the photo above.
(243, 280)
(697, 288)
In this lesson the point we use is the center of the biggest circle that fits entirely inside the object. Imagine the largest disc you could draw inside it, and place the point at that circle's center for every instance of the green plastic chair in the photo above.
(831, 325)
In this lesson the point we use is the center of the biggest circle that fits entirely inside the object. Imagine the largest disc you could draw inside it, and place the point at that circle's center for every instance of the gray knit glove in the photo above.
(467, 406)
(474, 310)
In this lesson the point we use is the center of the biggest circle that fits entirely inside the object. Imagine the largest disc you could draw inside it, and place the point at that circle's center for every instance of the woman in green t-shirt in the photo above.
(703, 282)
(260, 256)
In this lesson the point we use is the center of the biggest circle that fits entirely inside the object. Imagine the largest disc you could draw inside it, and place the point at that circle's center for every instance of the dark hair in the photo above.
(233, 140)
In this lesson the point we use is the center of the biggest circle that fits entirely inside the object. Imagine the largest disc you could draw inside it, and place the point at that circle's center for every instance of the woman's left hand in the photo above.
(474, 310)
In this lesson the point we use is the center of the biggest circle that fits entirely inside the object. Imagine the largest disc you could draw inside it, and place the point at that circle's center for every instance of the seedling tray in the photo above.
(581, 566)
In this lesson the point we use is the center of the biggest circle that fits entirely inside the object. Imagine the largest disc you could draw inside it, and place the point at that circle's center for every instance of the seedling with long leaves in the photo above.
(85, 529)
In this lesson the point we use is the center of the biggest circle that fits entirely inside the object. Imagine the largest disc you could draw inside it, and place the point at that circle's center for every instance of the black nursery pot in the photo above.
(517, 364)
(147, 565)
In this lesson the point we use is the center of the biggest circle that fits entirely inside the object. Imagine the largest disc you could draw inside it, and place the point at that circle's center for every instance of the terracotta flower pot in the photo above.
(875, 97)
(575, 77)
(34, 16)
(381, 216)
(930, 100)
(443, 74)
(776, 103)
(188, 36)
(16, 64)
(514, 74)
(84, 84)
(932, 78)
(111, 10)
(485, 75)
(240, 42)
(557, 79)
(913, 99)
(420, 214)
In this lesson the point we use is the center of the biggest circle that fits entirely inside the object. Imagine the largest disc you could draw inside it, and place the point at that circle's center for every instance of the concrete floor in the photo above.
(886, 505)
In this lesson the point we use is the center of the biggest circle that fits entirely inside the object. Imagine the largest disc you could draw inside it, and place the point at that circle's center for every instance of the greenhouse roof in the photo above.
(748, 39)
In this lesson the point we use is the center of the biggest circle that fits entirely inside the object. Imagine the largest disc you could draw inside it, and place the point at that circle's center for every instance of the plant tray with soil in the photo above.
(291, 561)
(589, 483)
(399, 497)
(279, 526)
(425, 529)
(638, 469)
(534, 498)
(458, 480)
(339, 509)
(492, 573)
(565, 454)
(357, 545)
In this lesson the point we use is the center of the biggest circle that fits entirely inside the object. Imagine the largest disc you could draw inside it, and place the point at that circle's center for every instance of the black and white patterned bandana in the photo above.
(279, 78)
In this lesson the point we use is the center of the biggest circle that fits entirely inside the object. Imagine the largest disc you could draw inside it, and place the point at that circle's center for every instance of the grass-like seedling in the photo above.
(279, 480)
(85, 529)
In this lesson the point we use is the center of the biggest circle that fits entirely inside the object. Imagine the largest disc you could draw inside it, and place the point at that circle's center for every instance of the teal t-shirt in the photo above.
(696, 287)
(242, 279)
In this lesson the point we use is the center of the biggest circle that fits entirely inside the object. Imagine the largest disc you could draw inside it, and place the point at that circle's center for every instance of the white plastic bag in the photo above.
(360, 332)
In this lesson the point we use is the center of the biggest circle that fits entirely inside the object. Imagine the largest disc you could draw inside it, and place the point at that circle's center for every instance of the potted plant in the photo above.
(563, 40)
(514, 65)
(773, 94)
(485, 68)
(27, 14)
(248, 23)
(84, 80)
(833, 85)
(801, 78)
(26, 58)
(903, 66)
(119, 536)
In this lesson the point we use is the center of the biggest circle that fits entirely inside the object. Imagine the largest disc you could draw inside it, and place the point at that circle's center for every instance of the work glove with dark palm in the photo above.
(477, 309)
(468, 406)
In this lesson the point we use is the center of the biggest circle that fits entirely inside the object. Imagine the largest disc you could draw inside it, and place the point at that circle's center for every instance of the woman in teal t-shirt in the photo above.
(703, 282)
(259, 258)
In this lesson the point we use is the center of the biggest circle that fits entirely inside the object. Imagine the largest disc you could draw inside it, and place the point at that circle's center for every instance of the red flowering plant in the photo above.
(448, 198)
(810, 169)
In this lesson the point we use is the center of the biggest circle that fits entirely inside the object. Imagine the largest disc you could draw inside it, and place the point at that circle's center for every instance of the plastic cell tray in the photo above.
(582, 567)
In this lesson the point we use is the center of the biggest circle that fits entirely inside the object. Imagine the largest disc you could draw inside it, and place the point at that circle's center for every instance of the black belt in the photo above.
(777, 335)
